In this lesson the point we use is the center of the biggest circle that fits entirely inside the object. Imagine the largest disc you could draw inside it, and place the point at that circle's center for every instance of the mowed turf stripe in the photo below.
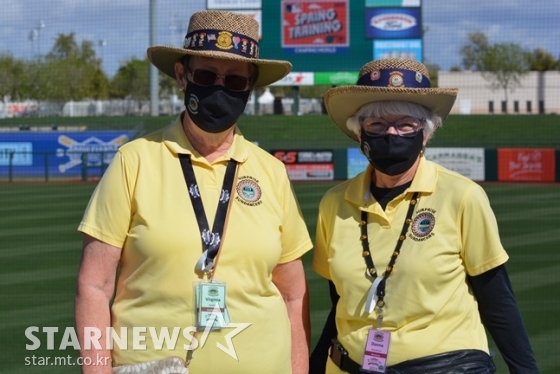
(42, 316)
(533, 212)
(19, 205)
(547, 355)
(531, 239)
(10, 251)
(42, 275)
(535, 278)
(16, 233)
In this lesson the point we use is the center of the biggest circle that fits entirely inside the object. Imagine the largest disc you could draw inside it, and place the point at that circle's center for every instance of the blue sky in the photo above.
(120, 28)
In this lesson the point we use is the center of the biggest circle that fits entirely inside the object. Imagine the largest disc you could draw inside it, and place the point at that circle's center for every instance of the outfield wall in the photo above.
(478, 164)
(85, 155)
(58, 154)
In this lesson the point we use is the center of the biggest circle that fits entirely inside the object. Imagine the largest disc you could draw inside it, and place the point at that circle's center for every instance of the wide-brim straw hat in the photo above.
(222, 35)
(391, 79)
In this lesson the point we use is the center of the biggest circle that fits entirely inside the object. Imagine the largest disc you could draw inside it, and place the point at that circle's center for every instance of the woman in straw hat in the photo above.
(202, 225)
(410, 249)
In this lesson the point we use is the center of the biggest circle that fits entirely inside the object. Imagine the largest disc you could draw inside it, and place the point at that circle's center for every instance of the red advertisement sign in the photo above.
(307, 164)
(302, 172)
(317, 23)
(526, 164)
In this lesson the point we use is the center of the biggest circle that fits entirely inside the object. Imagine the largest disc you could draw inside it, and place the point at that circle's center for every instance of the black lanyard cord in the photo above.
(366, 252)
(210, 239)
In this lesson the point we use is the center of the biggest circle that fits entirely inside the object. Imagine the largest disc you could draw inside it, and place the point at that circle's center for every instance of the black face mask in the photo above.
(214, 108)
(392, 154)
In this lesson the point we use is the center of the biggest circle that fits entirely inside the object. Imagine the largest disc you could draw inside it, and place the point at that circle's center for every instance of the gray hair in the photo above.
(404, 108)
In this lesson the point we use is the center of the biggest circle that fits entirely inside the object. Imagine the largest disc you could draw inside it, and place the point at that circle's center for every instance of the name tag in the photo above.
(211, 310)
(376, 351)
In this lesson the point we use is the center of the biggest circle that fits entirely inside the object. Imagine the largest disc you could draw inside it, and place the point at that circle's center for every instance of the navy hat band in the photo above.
(222, 41)
(395, 78)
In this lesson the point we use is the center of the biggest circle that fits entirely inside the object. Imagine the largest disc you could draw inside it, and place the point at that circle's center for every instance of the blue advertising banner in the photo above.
(405, 48)
(60, 154)
(372, 3)
(393, 23)
(357, 162)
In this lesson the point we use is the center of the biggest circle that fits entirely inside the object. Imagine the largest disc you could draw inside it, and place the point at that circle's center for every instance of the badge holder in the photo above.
(210, 301)
(375, 353)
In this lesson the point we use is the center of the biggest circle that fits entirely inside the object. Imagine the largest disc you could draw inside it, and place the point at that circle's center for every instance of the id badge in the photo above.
(211, 309)
(377, 349)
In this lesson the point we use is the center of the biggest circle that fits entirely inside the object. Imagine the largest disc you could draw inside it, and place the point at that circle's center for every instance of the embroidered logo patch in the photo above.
(423, 224)
(248, 191)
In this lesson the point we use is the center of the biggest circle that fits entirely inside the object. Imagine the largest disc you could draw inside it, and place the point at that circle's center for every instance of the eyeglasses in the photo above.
(232, 82)
(405, 127)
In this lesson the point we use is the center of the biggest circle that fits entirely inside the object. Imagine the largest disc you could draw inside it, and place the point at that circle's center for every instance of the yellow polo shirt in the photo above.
(429, 307)
(142, 205)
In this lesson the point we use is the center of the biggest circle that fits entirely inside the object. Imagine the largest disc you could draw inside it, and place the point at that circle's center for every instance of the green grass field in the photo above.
(40, 247)
(40, 252)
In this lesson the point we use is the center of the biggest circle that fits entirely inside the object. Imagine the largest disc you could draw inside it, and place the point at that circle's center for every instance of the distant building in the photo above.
(538, 93)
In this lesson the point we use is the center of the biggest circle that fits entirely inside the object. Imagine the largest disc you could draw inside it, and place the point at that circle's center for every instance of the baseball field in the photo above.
(40, 247)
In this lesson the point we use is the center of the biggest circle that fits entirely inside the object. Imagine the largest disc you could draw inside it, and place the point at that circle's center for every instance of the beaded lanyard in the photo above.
(211, 239)
(378, 286)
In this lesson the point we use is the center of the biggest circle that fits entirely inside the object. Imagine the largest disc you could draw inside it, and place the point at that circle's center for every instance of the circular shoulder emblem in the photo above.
(423, 224)
(248, 191)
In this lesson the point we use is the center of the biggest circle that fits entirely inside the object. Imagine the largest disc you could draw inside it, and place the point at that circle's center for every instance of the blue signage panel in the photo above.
(60, 154)
(393, 3)
(393, 23)
(403, 48)
(357, 162)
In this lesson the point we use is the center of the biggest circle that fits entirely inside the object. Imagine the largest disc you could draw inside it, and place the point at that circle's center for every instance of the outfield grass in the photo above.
(319, 132)
(40, 251)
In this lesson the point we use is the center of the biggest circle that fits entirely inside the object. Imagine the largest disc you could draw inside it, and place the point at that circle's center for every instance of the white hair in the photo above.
(404, 108)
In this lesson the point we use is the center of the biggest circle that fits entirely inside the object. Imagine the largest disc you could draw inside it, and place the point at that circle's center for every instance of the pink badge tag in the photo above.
(377, 348)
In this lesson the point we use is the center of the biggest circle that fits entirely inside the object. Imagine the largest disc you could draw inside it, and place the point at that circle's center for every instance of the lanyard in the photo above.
(210, 239)
(377, 290)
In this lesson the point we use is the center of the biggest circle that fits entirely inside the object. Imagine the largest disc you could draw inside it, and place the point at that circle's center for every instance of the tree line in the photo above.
(72, 71)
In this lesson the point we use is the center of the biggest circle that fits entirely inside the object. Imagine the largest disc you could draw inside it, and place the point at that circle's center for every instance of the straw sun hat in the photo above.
(391, 79)
(223, 35)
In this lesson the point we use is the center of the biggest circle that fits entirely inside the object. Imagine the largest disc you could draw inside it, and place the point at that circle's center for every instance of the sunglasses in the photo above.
(232, 82)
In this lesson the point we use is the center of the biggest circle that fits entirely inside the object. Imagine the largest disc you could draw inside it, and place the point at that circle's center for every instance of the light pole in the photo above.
(172, 28)
(31, 37)
(40, 26)
(154, 79)
(102, 43)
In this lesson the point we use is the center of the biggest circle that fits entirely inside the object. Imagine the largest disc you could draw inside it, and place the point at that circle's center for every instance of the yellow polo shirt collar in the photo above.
(358, 192)
(175, 139)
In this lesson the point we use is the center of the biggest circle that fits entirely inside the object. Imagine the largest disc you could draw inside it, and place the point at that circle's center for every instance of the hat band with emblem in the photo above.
(223, 41)
(394, 78)
(388, 79)
(223, 35)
